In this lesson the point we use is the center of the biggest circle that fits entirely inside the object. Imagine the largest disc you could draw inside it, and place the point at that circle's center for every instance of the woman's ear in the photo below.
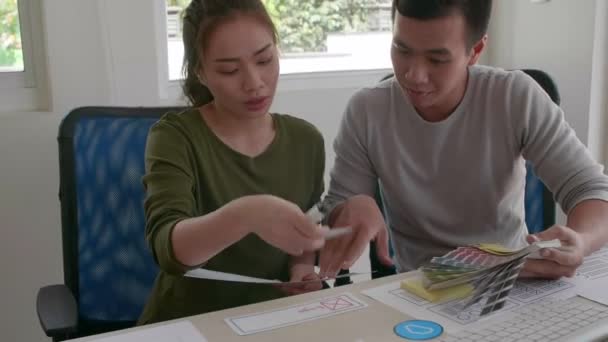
(200, 75)
(201, 78)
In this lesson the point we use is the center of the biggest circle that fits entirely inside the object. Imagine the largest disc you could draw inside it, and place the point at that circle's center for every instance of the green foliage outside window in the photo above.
(11, 54)
(178, 3)
(303, 25)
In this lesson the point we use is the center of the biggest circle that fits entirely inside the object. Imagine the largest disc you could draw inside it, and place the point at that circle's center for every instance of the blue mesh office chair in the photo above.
(538, 202)
(108, 268)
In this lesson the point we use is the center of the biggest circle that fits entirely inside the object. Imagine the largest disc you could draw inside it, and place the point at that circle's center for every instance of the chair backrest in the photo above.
(538, 200)
(107, 264)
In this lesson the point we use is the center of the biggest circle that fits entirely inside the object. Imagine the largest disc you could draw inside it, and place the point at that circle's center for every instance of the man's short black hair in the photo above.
(476, 13)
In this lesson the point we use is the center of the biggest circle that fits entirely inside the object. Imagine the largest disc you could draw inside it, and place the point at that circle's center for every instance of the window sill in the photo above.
(302, 82)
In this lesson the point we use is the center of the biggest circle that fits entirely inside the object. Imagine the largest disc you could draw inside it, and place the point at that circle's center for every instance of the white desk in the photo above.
(374, 323)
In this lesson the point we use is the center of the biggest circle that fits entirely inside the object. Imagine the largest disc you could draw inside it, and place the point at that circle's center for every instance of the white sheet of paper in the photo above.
(594, 275)
(223, 276)
(216, 275)
(299, 313)
(595, 291)
(182, 331)
(450, 314)
(595, 266)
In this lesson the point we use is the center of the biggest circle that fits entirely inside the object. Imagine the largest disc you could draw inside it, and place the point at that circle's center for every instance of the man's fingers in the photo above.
(531, 238)
(558, 232)
(325, 257)
(535, 268)
(335, 264)
(382, 248)
(355, 249)
(530, 274)
(566, 257)
(343, 248)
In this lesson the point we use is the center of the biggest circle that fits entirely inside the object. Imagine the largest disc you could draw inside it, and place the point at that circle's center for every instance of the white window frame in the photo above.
(20, 90)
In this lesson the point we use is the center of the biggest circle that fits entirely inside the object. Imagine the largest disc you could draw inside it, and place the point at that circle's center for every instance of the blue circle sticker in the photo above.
(418, 330)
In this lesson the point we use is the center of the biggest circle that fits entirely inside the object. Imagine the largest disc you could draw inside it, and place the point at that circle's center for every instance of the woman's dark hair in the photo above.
(201, 17)
(476, 13)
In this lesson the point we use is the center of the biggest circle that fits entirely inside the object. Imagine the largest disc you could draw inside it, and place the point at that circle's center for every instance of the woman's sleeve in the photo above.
(169, 183)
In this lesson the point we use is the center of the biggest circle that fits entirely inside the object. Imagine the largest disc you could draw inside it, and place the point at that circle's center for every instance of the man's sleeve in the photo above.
(559, 158)
(352, 172)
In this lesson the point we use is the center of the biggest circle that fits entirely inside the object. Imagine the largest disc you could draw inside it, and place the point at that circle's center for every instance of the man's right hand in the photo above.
(278, 222)
(362, 214)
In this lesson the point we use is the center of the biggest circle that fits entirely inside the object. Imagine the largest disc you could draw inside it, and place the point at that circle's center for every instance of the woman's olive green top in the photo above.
(190, 172)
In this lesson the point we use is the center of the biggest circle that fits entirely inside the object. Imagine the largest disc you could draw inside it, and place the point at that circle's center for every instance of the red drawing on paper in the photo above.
(311, 308)
(336, 304)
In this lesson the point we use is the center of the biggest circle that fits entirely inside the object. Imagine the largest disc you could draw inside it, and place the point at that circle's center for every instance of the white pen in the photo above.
(331, 233)
(316, 216)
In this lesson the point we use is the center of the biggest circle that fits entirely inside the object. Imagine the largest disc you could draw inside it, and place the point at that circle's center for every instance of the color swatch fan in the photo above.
(481, 273)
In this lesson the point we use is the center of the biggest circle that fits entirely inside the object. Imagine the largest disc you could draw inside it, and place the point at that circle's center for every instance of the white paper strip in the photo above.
(215, 275)
(202, 273)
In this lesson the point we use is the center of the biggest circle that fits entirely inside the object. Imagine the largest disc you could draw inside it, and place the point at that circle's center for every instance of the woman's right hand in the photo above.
(278, 222)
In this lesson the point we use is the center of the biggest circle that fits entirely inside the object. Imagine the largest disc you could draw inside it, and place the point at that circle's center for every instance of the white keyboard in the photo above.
(552, 320)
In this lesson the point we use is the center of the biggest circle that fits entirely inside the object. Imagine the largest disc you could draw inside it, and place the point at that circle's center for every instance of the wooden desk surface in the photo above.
(374, 323)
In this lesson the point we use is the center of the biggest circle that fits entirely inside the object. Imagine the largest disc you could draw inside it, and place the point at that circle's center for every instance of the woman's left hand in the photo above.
(302, 272)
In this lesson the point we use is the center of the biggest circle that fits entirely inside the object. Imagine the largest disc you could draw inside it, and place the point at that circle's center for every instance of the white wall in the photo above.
(116, 63)
(559, 37)
(598, 123)
(556, 36)
(30, 251)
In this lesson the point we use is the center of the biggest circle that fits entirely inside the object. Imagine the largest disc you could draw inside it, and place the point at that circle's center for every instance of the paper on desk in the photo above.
(223, 276)
(595, 291)
(202, 273)
(182, 331)
(593, 277)
(451, 315)
(295, 314)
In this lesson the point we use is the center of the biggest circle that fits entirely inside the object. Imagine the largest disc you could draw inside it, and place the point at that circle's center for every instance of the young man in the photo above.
(447, 141)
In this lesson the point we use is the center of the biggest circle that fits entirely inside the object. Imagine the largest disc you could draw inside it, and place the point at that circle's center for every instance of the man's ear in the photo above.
(477, 49)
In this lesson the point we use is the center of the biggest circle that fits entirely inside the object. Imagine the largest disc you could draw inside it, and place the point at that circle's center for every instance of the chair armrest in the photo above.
(57, 310)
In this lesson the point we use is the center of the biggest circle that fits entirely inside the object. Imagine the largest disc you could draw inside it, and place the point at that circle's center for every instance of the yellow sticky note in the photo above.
(415, 286)
(495, 248)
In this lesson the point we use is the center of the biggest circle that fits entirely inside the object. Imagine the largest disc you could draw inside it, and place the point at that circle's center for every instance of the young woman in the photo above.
(226, 181)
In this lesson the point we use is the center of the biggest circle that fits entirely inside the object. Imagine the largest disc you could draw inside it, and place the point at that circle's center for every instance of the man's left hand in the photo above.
(556, 262)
